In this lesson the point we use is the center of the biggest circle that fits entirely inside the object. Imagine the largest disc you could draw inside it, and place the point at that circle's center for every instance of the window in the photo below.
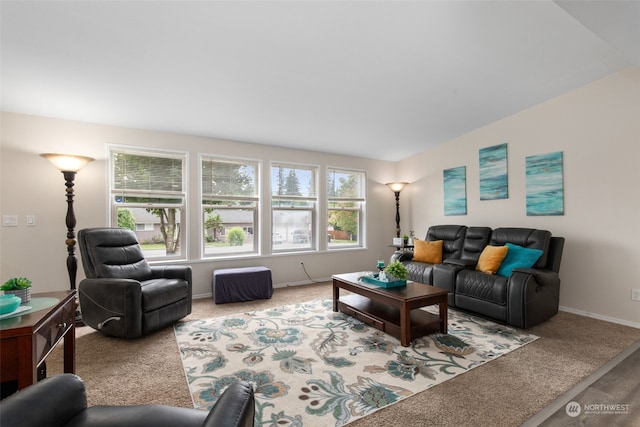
(346, 202)
(229, 206)
(147, 195)
(293, 204)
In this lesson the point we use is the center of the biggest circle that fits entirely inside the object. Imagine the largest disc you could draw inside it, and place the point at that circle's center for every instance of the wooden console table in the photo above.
(28, 338)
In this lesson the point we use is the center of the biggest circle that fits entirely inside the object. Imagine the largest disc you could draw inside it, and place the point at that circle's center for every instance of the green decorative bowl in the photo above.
(9, 303)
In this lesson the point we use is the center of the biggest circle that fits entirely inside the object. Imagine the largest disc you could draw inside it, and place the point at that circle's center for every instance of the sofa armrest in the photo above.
(542, 277)
(235, 408)
(50, 402)
(534, 296)
(112, 306)
(463, 263)
(401, 255)
(171, 272)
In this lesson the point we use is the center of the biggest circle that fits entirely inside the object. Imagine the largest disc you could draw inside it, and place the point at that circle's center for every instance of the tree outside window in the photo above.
(147, 188)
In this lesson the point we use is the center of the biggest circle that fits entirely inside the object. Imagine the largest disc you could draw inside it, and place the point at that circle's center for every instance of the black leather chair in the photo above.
(61, 401)
(123, 296)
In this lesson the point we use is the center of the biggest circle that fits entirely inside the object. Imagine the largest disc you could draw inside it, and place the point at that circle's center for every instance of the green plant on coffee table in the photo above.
(397, 270)
(16, 283)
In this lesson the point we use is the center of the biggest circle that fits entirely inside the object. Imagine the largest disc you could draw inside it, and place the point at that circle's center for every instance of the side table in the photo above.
(27, 339)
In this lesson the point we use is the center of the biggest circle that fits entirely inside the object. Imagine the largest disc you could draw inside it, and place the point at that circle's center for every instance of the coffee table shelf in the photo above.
(386, 318)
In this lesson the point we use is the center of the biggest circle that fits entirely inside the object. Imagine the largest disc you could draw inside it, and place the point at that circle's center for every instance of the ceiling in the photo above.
(374, 79)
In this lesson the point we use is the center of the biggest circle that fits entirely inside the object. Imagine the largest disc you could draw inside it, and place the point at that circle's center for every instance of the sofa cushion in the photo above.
(518, 257)
(157, 293)
(115, 254)
(452, 237)
(475, 241)
(525, 237)
(419, 272)
(430, 252)
(491, 258)
(486, 287)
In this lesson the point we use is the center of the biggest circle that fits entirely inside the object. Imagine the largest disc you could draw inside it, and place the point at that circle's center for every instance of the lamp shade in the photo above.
(67, 162)
(396, 187)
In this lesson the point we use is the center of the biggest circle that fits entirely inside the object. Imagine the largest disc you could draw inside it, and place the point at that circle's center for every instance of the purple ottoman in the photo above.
(241, 284)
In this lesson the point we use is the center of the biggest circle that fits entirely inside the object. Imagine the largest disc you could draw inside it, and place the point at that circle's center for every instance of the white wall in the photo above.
(596, 126)
(32, 186)
(598, 129)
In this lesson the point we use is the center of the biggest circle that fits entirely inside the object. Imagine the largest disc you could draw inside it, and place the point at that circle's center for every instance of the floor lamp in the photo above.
(397, 187)
(69, 165)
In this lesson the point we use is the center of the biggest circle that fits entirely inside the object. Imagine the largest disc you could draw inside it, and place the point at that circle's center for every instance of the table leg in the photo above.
(70, 350)
(336, 295)
(405, 325)
(444, 310)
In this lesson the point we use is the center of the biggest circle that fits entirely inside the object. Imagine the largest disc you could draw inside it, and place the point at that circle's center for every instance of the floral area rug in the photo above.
(310, 366)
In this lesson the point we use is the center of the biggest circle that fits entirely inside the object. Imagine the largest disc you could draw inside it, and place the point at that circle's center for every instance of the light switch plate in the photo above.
(9, 220)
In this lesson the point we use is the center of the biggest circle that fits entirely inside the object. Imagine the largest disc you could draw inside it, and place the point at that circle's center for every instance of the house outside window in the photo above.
(229, 189)
(148, 195)
(346, 200)
(294, 203)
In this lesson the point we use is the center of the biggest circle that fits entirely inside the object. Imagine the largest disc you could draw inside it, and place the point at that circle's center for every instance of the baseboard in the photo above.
(304, 282)
(600, 317)
(277, 285)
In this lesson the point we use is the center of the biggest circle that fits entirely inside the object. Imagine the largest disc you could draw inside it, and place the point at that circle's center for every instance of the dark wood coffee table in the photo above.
(392, 310)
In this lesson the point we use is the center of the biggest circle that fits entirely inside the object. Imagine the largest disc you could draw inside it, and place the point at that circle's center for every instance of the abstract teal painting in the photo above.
(494, 182)
(545, 188)
(455, 191)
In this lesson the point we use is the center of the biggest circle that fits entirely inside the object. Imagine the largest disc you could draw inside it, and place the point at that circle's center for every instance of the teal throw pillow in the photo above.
(518, 257)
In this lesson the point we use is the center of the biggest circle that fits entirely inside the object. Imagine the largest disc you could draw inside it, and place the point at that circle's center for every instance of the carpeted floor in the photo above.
(311, 366)
(505, 392)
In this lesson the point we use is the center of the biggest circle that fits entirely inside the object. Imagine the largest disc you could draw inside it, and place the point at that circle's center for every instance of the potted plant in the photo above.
(405, 238)
(18, 286)
(396, 271)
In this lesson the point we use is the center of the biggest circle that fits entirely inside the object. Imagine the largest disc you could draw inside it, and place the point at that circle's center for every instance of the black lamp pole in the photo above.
(72, 261)
(397, 193)
(69, 164)
(397, 187)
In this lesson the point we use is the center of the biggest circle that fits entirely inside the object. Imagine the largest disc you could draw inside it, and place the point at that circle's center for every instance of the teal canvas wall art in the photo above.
(494, 183)
(455, 191)
(545, 188)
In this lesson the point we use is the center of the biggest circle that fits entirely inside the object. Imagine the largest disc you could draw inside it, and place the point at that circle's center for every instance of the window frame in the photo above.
(288, 204)
(360, 200)
(228, 204)
(182, 194)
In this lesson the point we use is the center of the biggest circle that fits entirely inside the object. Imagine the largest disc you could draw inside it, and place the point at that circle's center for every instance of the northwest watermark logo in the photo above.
(573, 409)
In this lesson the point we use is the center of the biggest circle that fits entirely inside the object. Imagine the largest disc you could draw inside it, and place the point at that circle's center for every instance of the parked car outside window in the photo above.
(300, 236)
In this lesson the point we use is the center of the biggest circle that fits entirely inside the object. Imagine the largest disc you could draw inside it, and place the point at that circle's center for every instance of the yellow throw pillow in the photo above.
(429, 252)
(491, 258)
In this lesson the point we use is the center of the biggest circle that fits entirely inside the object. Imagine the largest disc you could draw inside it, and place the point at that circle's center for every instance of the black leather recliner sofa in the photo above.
(123, 296)
(524, 299)
(61, 401)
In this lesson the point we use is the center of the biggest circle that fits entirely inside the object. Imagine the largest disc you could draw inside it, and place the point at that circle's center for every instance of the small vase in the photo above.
(24, 294)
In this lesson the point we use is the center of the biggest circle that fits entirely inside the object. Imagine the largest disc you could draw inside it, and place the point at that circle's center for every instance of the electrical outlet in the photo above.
(635, 294)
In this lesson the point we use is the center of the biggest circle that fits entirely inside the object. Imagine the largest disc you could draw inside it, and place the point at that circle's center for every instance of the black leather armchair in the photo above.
(123, 296)
(61, 401)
